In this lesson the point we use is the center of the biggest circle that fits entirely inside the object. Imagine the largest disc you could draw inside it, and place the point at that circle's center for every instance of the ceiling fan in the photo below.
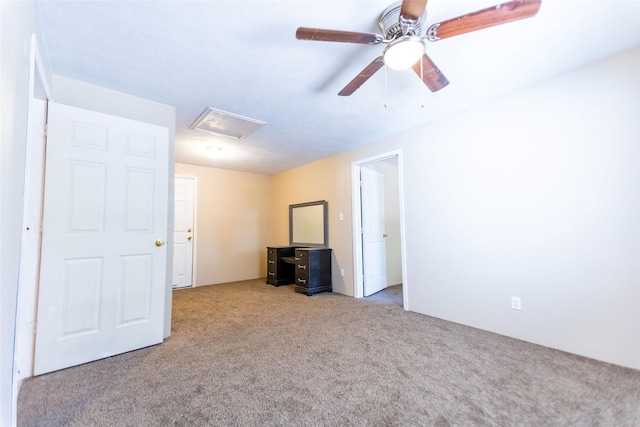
(401, 26)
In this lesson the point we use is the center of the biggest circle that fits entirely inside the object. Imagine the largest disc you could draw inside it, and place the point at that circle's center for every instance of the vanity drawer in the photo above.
(272, 255)
(302, 282)
(301, 268)
(302, 255)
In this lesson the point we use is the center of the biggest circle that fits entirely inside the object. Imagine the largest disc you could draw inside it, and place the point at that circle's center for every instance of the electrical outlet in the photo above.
(516, 304)
(342, 272)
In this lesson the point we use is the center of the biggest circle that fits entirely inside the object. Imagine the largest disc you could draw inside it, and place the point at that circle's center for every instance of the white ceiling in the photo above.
(243, 57)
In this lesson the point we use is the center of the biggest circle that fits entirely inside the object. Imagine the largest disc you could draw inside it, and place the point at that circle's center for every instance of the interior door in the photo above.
(374, 257)
(102, 277)
(183, 232)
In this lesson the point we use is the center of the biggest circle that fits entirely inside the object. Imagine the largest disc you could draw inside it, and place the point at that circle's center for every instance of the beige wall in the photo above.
(533, 195)
(234, 223)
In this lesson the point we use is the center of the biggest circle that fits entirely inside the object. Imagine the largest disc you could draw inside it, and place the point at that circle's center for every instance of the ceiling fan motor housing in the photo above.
(390, 25)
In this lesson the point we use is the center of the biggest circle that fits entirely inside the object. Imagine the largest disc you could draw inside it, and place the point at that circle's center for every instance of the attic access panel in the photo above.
(227, 124)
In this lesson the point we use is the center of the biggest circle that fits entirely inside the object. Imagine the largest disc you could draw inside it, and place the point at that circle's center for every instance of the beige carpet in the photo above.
(250, 354)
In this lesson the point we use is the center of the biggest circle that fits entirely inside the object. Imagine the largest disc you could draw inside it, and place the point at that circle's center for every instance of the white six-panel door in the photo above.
(183, 232)
(102, 278)
(374, 252)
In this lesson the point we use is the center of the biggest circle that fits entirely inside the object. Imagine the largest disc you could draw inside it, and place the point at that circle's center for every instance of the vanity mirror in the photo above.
(308, 224)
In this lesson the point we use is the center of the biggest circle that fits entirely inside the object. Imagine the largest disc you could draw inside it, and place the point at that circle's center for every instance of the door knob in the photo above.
(189, 238)
(385, 235)
(188, 230)
(159, 242)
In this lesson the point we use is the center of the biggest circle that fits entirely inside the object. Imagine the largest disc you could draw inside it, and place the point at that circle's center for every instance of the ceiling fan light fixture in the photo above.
(403, 52)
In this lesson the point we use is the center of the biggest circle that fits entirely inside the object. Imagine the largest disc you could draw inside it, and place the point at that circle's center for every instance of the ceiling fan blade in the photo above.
(337, 36)
(364, 75)
(496, 15)
(430, 74)
(412, 10)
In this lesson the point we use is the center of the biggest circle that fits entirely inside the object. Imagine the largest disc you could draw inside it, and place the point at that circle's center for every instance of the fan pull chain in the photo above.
(422, 78)
(386, 88)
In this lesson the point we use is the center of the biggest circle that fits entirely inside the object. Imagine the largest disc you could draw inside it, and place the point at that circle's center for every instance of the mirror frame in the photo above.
(325, 225)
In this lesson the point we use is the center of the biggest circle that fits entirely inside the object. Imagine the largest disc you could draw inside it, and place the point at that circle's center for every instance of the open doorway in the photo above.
(378, 238)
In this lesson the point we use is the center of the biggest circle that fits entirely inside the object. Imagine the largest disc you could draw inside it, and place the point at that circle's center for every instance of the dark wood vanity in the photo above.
(306, 262)
(309, 269)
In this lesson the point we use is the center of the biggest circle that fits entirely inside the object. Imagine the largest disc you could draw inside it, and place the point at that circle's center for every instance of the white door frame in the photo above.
(194, 246)
(28, 291)
(358, 279)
